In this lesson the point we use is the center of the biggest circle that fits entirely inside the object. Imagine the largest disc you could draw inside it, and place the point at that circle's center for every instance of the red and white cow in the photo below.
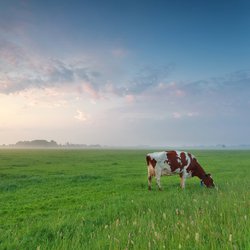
(175, 162)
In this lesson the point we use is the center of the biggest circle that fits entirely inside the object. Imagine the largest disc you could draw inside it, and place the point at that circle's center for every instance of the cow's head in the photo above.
(208, 181)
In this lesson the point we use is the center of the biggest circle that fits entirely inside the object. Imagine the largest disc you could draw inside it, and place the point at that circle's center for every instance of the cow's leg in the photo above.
(151, 173)
(183, 179)
(149, 182)
(158, 177)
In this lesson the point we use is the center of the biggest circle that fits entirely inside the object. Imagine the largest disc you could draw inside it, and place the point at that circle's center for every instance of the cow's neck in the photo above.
(199, 171)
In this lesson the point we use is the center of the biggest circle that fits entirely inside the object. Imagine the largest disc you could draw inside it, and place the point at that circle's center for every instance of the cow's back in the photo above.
(158, 156)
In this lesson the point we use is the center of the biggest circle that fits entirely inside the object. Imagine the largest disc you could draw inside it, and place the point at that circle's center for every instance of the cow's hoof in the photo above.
(149, 188)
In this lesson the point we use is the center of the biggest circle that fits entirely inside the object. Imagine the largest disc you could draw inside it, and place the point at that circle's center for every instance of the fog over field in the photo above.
(125, 73)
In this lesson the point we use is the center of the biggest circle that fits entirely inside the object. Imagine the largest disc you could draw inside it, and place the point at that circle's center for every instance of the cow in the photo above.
(175, 162)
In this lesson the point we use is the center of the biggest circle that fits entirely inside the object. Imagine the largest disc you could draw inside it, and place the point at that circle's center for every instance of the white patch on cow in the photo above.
(179, 156)
(188, 159)
(166, 171)
(177, 171)
(158, 156)
(185, 173)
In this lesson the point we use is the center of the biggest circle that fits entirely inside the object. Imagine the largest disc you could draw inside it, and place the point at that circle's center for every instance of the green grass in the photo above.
(98, 199)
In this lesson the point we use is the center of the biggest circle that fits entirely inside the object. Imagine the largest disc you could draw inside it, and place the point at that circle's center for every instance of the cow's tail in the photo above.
(148, 160)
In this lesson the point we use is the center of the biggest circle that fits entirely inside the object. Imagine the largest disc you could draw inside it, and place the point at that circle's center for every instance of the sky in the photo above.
(125, 73)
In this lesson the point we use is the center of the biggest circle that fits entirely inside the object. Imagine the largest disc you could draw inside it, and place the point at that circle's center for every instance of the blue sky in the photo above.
(125, 73)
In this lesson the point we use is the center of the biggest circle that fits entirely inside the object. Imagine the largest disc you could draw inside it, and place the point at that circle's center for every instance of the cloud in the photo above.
(11, 53)
(222, 91)
(235, 81)
(23, 69)
(119, 53)
(192, 114)
(34, 71)
(173, 89)
(177, 115)
(89, 89)
(59, 72)
(130, 99)
(188, 102)
(81, 116)
(148, 77)
(48, 98)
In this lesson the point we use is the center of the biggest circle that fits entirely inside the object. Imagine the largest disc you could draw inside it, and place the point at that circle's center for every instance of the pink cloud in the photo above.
(179, 93)
(119, 53)
(11, 53)
(87, 88)
(130, 99)
(171, 88)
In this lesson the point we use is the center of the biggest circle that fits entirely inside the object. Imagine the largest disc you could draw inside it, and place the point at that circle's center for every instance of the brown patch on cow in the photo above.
(151, 161)
(172, 160)
(196, 168)
(184, 161)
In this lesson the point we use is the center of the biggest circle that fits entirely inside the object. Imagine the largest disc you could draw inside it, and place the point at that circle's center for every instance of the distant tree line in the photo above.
(37, 143)
(49, 144)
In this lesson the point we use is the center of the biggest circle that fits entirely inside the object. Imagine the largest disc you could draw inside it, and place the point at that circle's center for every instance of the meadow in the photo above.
(98, 199)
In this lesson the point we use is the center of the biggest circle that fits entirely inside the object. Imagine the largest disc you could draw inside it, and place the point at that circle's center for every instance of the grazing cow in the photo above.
(175, 162)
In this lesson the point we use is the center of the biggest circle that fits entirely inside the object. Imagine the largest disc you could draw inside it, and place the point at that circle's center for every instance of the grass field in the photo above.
(98, 199)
